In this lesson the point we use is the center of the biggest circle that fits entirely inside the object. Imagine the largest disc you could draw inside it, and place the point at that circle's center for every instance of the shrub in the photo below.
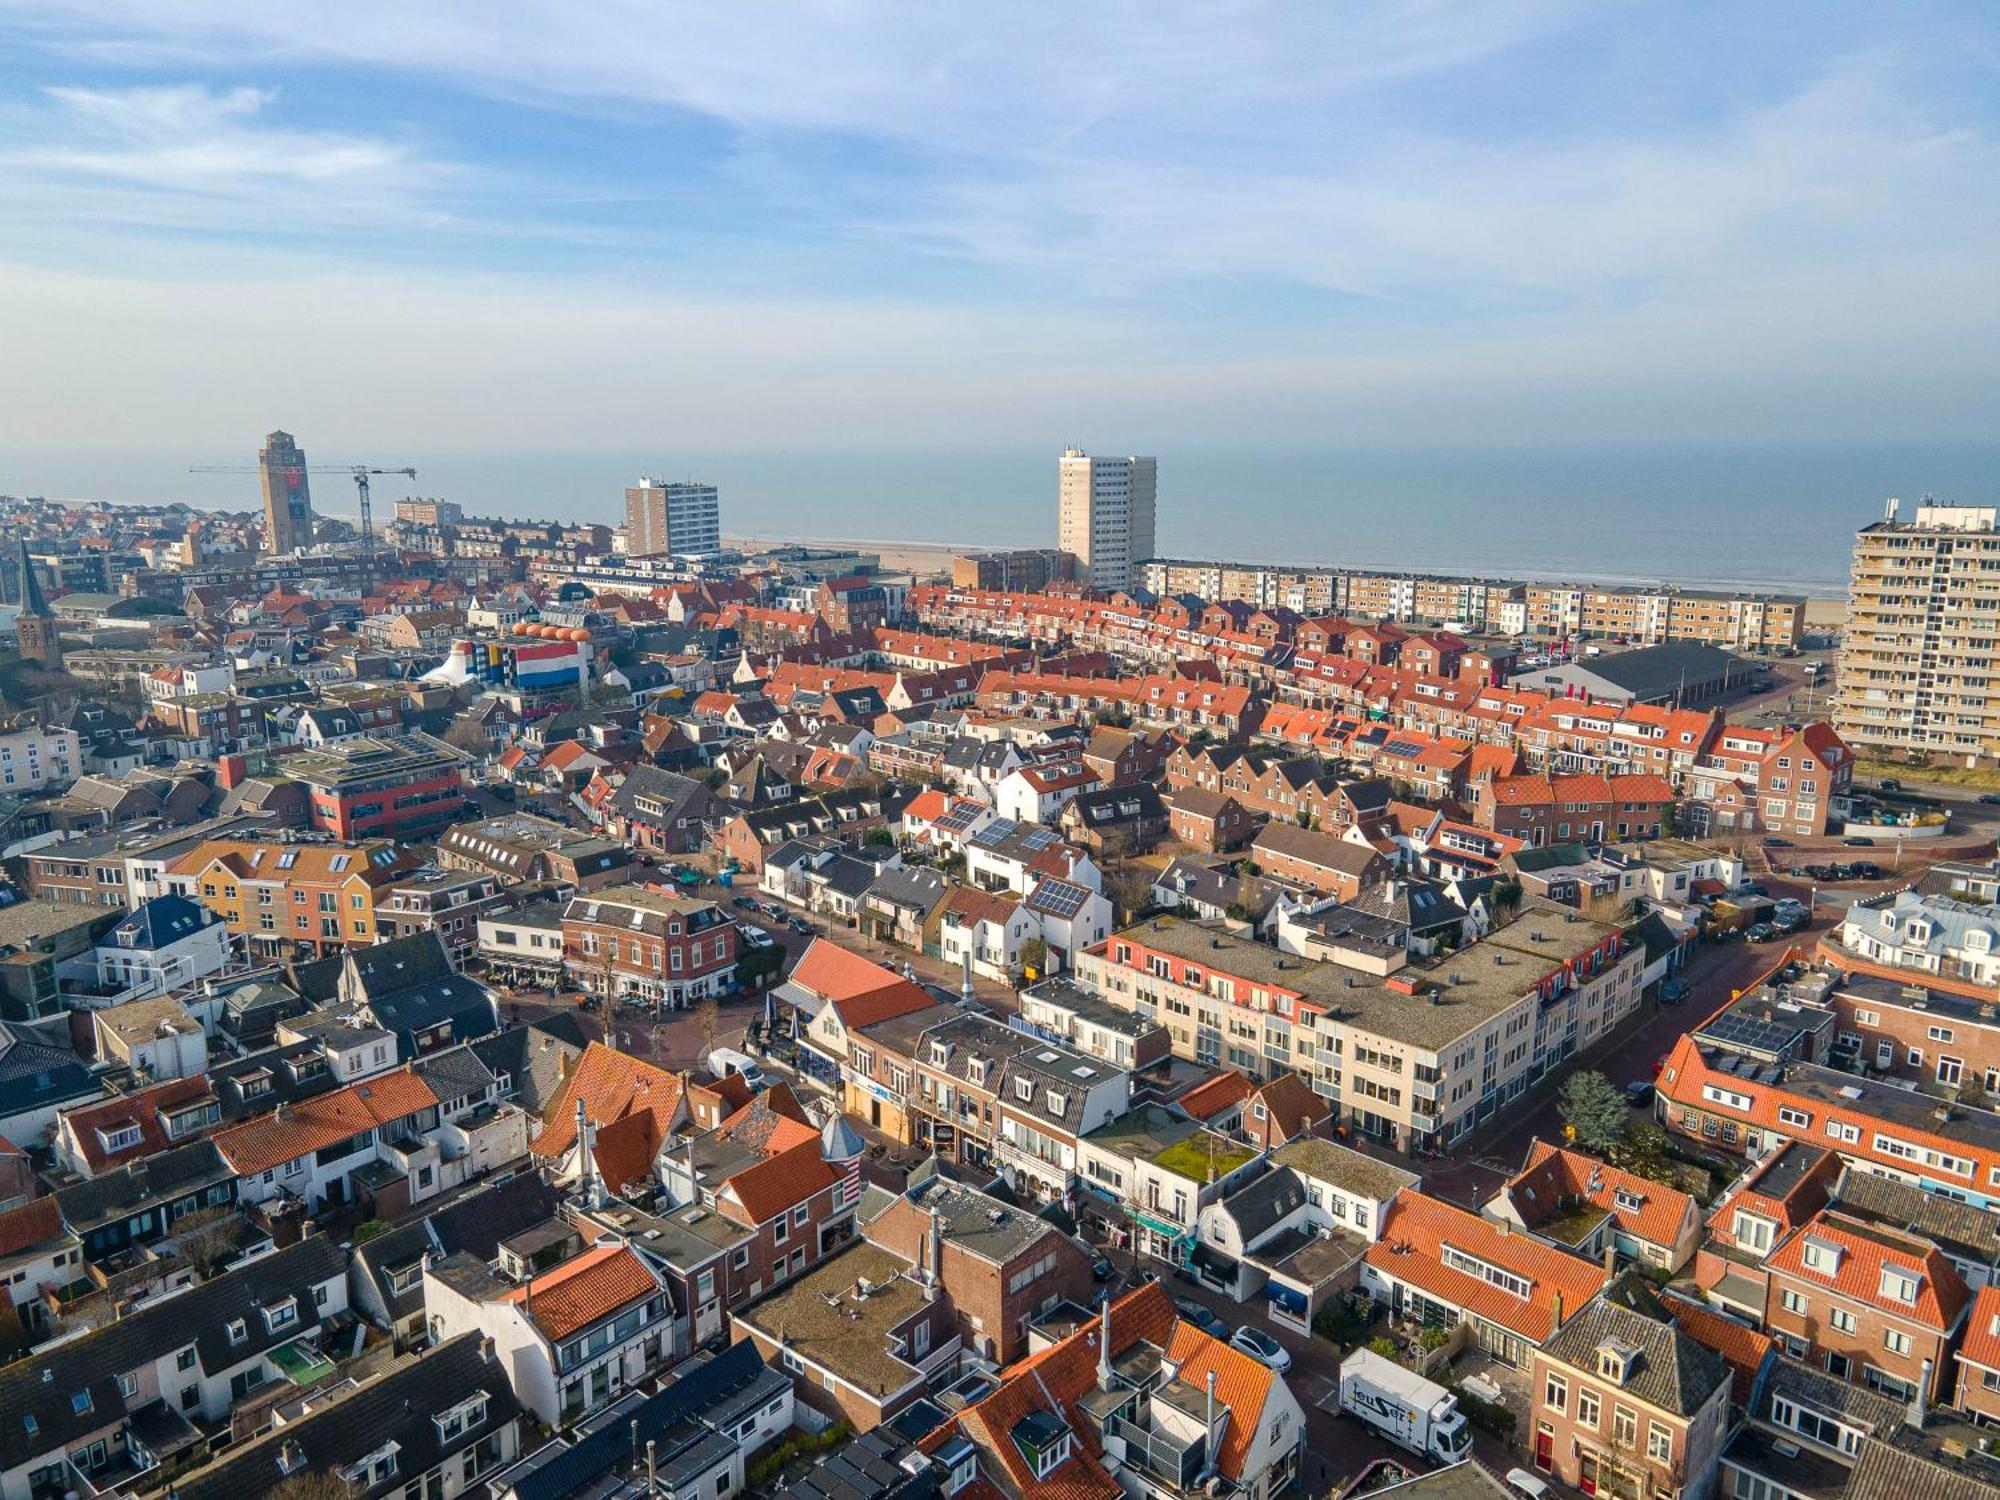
(1487, 1416)
(1385, 1346)
(1433, 1338)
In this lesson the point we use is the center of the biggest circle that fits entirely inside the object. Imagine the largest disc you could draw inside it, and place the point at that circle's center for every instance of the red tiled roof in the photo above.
(1982, 1329)
(1865, 1252)
(898, 998)
(1415, 1232)
(1207, 1100)
(779, 1182)
(1293, 1105)
(142, 1109)
(836, 973)
(293, 1130)
(1742, 1348)
(584, 1289)
(29, 1224)
(1554, 1173)
(613, 1087)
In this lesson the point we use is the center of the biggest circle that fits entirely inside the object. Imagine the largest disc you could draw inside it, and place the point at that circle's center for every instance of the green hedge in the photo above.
(798, 1445)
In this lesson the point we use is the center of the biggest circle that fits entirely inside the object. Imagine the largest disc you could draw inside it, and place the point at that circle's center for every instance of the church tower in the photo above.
(36, 624)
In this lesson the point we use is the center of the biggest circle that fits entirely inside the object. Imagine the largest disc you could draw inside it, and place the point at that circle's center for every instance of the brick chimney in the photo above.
(230, 771)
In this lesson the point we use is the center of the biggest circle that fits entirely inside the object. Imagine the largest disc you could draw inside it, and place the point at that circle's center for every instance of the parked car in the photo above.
(1262, 1347)
(1989, 799)
(1858, 842)
(1752, 888)
(1777, 843)
(1101, 1269)
(1890, 784)
(1761, 932)
(1867, 870)
(1673, 990)
(800, 925)
(756, 937)
(503, 791)
(747, 903)
(1201, 1317)
(1638, 1093)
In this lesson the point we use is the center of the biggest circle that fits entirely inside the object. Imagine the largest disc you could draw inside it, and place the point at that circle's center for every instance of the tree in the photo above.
(207, 1237)
(467, 736)
(708, 1017)
(1594, 1110)
(1035, 955)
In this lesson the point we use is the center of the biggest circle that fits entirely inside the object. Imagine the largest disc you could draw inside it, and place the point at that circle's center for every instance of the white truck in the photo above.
(1408, 1410)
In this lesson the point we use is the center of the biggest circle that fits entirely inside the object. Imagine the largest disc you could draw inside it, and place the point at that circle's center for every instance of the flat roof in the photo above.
(823, 1317)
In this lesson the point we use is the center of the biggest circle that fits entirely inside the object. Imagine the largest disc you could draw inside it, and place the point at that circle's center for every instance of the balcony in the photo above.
(1174, 1461)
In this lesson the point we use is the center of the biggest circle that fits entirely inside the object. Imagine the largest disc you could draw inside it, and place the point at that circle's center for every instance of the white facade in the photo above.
(135, 973)
(1104, 519)
(679, 520)
(34, 759)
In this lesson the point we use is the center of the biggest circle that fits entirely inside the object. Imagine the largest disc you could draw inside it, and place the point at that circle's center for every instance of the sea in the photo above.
(1769, 516)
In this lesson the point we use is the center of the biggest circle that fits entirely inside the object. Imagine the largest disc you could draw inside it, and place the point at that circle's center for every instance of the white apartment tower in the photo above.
(676, 520)
(1920, 659)
(1105, 516)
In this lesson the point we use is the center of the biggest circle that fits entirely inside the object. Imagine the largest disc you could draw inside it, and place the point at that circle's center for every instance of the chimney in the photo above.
(934, 1257)
(1556, 1316)
(230, 771)
(1917, 1401)
(586, 1168)
(1209, 1445)
(1610, 1260)
(1104, 1344)
(965, 982)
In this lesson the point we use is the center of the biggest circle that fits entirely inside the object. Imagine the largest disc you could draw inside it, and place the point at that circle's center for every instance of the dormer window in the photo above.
(940, 1054)
(1822, 1256)
(1024, 1090)
(454, 1422)
(238, 1331)
(1628, 1200)
(1900, 1285)
(281, 1314)
(122, 1138)
(1057, 1102)
(1615, 1361)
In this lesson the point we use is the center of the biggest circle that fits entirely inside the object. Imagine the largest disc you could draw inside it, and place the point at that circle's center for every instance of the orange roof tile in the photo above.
(584, 1289)
(142, 1109)
(1742, 1348)
(1207, 1100)
(836, 973)
(1982, 1329)
(1554, 1173)
(1864, 1253)
(293, 1130)
(612, 1087)
(29, 1224)
(1241, 1383)
(1415, 1232)
(778, 1182)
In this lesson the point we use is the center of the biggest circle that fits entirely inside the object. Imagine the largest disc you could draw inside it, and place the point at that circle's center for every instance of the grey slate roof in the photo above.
(38, 1069)
(123, 1191)
(158, 922)
(1672, 1373)
(41, 1385)
(396, 1407)
(1962, 1229)
(535, 1058)
(1266, 1201)
(454, 1073)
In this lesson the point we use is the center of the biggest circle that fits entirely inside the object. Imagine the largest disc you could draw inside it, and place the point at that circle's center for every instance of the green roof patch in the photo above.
(1205, 1157)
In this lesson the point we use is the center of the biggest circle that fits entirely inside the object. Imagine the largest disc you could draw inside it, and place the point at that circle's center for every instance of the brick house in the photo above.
(1979, 1358)
(1626, 1404)
(1327, 863)
(634, 940)
(1213, 822)
(1120, 757)
(662, 811)
(1874, 1307)
(1556, 809)
(1768, 780)
(1762, 1209)
(1000, 1265)
(1587, 1206)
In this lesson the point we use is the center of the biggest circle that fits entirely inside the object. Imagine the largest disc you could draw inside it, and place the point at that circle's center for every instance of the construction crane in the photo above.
(359, 473)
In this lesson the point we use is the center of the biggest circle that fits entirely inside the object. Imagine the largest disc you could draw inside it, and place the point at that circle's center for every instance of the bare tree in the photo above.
(311, 1484)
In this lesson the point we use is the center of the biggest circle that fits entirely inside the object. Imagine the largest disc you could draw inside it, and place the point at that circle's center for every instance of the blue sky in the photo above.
(878, 226)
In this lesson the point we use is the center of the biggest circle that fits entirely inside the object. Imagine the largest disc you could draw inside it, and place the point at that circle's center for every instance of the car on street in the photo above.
(1858, 843)
(1989, 799)
(1673, 990)
(1761, 932)
(1752, 888)
(1890, 784)
(1638, 1093)
(800, 924)
(1260, 1346)
(756, 937)
(746, 903)
(1101, 1269)
(1777, 843)
(1201, 1317)
(1867, 870)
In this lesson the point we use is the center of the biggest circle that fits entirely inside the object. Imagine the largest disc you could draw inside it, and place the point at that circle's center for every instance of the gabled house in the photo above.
(1586, 1206)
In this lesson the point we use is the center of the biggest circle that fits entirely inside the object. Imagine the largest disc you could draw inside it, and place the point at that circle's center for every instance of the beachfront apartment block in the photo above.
(1414, 1058)
(1104, 516)
(1918, 671)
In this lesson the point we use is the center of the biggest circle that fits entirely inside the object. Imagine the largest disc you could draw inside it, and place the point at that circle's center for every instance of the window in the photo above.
(781, 1230)
(237, 1331)
(1797, 1118)
(184, 1360)
(1841, 1319)
(1589, 1406)
(1795, 1302)
(80, 1403)
(1624, 1427)
(1659, 1443)
(1896, 1341)
(1900, 1285)
(1555, 1395)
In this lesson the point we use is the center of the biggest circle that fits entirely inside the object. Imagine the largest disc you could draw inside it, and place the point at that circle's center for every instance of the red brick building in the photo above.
(404, 787)
(1557, 809)
(1329, 864)
(635, 940)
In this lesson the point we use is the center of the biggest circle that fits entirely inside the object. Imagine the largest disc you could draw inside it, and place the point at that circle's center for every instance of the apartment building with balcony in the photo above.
(1050, 1096)
(1417, 1057)
(1918, 670)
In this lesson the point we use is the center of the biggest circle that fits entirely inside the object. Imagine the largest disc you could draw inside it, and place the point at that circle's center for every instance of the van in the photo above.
(723, 1061)
(1527, 1486)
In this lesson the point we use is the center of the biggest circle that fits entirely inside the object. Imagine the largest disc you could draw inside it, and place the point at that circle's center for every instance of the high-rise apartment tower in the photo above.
(288, 511)
(1104, 516)
(679, 520)
(1919, 667)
